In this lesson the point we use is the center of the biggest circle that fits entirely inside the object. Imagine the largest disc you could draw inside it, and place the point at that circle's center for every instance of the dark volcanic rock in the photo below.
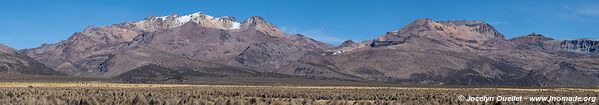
(378, 43)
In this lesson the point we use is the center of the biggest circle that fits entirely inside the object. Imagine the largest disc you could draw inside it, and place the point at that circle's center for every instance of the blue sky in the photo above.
(29, 23)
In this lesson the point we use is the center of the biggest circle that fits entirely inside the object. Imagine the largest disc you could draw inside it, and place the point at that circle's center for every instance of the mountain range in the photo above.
(425, 52)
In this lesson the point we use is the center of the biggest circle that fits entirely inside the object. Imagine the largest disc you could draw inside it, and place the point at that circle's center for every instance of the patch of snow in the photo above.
(339, 52)
(183, 19)
(163, 18)
(336, 52)
(235, 25)
(209, 17)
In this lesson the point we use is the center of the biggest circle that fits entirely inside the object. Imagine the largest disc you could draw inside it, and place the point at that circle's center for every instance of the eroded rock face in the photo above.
(13, 62)
(580, 46)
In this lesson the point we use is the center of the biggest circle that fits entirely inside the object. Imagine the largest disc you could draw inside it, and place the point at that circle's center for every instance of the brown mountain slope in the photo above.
(469, 35)
(455, 53)
(13, 62)
(424, 52)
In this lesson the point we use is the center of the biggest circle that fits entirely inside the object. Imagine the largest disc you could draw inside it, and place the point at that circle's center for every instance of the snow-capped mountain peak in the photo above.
(225, 22)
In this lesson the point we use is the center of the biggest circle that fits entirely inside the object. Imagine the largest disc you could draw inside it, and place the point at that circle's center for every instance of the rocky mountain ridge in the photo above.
(428, 52)
(586, 46)
(424, 52)
(105, 51)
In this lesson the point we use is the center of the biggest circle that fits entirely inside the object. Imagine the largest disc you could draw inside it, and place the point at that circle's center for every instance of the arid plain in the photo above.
(100, 93)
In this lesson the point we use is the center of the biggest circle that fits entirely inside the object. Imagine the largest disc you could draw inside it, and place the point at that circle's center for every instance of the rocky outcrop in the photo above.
(13, 62)
(580, 46)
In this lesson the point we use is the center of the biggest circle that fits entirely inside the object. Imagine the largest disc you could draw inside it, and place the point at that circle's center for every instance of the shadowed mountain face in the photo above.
(425, 52)
(13, 62)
